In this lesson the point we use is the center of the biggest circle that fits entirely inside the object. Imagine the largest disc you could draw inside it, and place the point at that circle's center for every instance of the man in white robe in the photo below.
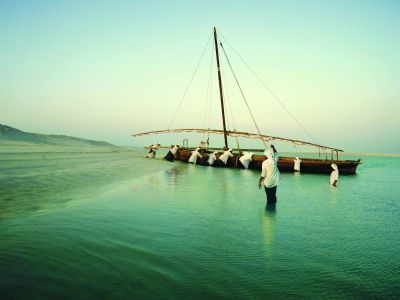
(194, 156)
(171, 153)
(151, 154)
(174, 149)
(270, 174)
(297, 162)
(224, 157)
(246, 159)
(334, 175)
(212, 158)
(152, 150)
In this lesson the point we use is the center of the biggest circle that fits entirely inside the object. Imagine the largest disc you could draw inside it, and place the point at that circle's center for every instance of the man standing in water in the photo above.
(171, 153)
(334, 175)
(270, 174)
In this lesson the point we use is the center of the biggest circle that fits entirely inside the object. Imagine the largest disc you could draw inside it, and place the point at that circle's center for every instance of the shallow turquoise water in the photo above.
(114, 225)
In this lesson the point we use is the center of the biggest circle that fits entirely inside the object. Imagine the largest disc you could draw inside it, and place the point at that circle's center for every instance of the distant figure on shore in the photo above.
(152, 150)
(246, 159)
(334, 175)
(270, 174)
(172, 151)
(224, 157)
(194, 156)
(212, 158)
(297, 162)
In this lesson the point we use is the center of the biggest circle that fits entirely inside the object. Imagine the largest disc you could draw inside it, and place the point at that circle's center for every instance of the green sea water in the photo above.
(109, 224)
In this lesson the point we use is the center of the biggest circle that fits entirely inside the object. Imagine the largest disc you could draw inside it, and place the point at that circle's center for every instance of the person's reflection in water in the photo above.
(268, 224)
(333, 194)
(173, 173)
(153, 181)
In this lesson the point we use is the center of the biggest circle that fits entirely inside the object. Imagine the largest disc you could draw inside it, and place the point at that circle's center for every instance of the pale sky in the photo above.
(106, 69)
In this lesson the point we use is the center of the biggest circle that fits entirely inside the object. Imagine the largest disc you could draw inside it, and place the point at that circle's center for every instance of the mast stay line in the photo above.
(237, 134)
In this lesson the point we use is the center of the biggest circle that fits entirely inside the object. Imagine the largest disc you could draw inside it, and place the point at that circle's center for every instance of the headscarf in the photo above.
(269, 155)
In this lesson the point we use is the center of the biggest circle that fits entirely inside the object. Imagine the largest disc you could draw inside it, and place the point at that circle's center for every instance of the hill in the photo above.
(8, 133)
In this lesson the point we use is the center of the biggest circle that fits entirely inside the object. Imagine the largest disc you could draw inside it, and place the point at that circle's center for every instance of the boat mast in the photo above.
(220, 89)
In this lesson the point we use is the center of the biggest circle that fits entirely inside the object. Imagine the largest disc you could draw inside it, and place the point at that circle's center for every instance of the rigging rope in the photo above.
(241, 91)
(270, 91)
(227, 100)
(190, 82)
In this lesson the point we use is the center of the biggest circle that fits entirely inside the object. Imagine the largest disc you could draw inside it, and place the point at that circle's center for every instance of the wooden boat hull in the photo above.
(285, 164)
